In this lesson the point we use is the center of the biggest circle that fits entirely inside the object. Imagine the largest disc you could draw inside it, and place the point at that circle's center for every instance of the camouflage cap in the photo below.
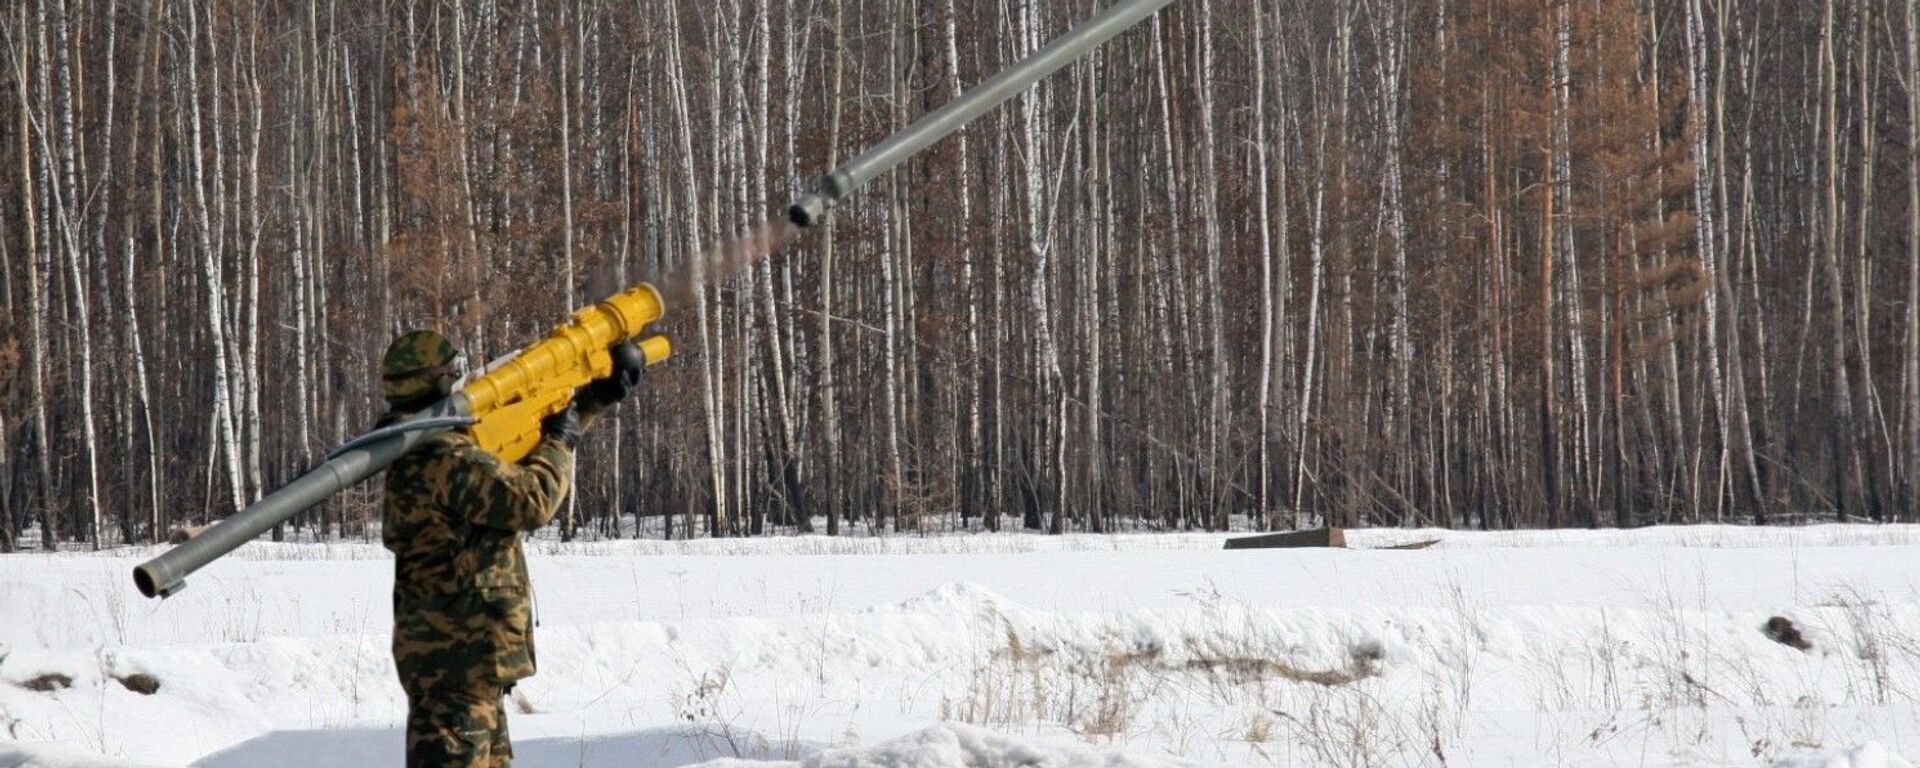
(417, 364)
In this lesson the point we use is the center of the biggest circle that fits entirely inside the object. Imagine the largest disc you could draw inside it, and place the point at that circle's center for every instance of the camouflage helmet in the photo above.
(419, 364)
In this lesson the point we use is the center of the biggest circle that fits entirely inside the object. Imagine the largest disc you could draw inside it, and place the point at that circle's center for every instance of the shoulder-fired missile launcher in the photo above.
(502, 408)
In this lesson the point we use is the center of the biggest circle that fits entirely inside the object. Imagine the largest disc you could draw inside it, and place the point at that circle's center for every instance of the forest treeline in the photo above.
(1261, 263)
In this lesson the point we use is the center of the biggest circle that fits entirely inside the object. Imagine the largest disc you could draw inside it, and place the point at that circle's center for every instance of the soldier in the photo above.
(453, 516)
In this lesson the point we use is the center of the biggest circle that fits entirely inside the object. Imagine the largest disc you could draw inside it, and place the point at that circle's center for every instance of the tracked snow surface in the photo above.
(1695, 646)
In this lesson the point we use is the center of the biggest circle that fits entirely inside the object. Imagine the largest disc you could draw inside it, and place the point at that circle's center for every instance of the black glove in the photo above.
(564, 427)
(601, 394)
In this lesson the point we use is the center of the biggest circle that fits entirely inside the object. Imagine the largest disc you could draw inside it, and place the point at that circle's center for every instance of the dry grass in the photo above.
(1103, 692)
(1362, 662)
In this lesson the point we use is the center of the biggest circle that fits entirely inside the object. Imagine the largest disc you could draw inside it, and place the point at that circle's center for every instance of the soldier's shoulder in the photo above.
(449, 442)
(458, 450)
(453, 438)
(438, 461)
(437, 448)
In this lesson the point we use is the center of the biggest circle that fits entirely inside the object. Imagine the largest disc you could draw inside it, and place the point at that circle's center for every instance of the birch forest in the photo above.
(1255, 264)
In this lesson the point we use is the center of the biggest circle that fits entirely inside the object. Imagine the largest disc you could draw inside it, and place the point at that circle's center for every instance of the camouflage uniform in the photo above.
(462, 630)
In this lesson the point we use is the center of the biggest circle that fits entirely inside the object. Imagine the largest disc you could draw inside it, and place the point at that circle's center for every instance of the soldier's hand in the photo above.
(564, 427)
(601, 394)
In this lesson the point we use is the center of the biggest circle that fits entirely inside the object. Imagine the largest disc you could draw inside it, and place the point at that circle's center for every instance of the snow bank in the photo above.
(952, 745)
(56, 756)
(1869, 755)
(945, 745)
(1641, 647)
(982, 543)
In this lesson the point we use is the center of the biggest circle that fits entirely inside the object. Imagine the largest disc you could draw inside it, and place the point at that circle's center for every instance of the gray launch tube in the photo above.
(166, 574)
(937, 124)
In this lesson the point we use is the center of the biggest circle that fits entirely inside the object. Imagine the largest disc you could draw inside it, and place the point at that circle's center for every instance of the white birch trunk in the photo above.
(1869, 397)
(143, 398)
(829, 404)
(570, 519)
(68, 204)
(1317, 251)
(1036, 152)
(1697, 100)
(760, 167)
(710, 376)
(155, 523)
(1570, 287)
(1738, 400)
(893, 244)
(1912, 425)
(1096, 292)
(972, 390)
(36, 259)
(250, 421)
(1167, 289)
(100, 209)
(1400, 411)
(81, 297)
(1842, 392)
(303, 220)
(1264, 405)
(223, 425)
(1220, 399)
(566, 190)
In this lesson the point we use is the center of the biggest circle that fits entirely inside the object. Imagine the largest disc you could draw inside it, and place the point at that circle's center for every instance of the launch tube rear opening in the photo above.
(166, 573)
(143, 581)
(143, 578)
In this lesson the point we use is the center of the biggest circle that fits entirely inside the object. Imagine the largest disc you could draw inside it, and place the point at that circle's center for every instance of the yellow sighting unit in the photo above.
(511, 397)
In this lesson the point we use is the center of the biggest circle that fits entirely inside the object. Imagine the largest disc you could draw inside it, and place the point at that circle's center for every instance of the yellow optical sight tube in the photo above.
(515, 393)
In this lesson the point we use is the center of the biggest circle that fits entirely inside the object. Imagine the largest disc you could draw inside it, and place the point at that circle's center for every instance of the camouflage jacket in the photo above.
(461, 601)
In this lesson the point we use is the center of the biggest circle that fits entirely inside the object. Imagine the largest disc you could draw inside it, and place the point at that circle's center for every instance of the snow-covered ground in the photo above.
(1641, 648)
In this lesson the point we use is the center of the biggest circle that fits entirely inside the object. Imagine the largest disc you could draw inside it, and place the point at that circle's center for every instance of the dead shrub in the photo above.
(141, 683)
(1781, 630)
(51, 681)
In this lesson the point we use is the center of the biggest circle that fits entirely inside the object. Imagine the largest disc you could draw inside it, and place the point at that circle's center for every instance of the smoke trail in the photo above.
(726, 260)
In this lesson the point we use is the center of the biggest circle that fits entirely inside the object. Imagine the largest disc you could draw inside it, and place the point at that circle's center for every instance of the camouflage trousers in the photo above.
(457, 728)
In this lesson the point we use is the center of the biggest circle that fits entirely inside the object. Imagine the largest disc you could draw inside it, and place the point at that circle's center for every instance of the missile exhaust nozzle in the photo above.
(812, 207)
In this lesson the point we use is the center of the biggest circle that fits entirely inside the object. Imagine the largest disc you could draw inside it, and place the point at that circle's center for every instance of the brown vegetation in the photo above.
(140, 683)
(51, 681)
(1780, 629)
